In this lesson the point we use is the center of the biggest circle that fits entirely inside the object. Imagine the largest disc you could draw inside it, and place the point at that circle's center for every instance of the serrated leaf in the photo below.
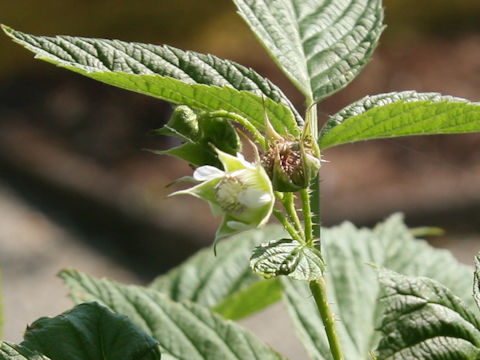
(200, 81)
(287, 257)
(425, 320)
(476, 281)
(9, 351)
(320, 45)
(400, 114)
(184, 330)
(209, 280)
(353, 288)
(90, 331)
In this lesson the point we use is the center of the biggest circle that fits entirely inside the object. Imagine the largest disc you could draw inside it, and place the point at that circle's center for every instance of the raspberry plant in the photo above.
(321, 46)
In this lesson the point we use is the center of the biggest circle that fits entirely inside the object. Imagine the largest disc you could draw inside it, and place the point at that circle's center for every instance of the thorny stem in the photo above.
(289, 204)
(307, 216)
(289, 227)
(319, 291)
(259, 138)
(315, 209)
(318, 288)
(315, 186)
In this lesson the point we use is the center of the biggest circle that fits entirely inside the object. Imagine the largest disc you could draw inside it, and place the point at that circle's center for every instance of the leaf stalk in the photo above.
(259, 138)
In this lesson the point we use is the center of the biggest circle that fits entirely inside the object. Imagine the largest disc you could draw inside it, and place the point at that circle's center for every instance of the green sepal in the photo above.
(281, 181)
(201, 133)
(204, 191)
(194, 153)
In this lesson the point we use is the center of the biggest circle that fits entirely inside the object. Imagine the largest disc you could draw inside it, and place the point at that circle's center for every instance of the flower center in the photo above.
(226, 194)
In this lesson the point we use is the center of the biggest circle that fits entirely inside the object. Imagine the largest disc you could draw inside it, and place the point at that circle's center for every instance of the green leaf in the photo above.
(287, 257)
(425, 321)
(320, 45)
(210, 281)
(10, 351)
(476, 281)
(200, 81)
(400, 114)
(184, 330)
(353, 288)
(251, 299)
(90, 331)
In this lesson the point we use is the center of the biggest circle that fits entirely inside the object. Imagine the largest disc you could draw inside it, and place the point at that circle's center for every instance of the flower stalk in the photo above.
(289, 204)
(287, 225)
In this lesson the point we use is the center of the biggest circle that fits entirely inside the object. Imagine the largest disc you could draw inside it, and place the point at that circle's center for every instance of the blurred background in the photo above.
(76, 189)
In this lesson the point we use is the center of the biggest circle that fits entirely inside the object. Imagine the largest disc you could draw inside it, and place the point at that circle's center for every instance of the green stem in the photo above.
(289, 204)
(307, 216)
(319, 291)
(259, 138)
(315, 185)
(315, 208)
(288, 226)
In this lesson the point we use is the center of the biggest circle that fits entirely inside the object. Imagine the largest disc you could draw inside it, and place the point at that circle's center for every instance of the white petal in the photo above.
(237, 225)
(254, 198)
(207, 172)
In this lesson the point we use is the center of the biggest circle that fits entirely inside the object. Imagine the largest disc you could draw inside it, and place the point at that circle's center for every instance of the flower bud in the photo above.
(290, 164)
(184, 121)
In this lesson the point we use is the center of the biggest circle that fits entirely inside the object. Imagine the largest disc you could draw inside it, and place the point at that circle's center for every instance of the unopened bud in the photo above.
(184, 121)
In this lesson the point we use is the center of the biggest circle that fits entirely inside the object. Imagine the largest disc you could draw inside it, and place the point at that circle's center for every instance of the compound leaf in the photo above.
(400, 114)
(320, 45)
(184, 330)
(425, 321)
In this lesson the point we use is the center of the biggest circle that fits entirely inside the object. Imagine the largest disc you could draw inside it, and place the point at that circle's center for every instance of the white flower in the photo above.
(242, 193)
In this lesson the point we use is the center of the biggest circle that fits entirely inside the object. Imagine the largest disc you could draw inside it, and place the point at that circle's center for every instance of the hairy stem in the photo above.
(311, 212)
(312, 119)
(307, 216)
(289, 204)
(319, 291)
(242, 121)
(288, 226)
(315, 208)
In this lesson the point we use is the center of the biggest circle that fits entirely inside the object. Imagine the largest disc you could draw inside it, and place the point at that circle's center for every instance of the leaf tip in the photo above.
(7, 30)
